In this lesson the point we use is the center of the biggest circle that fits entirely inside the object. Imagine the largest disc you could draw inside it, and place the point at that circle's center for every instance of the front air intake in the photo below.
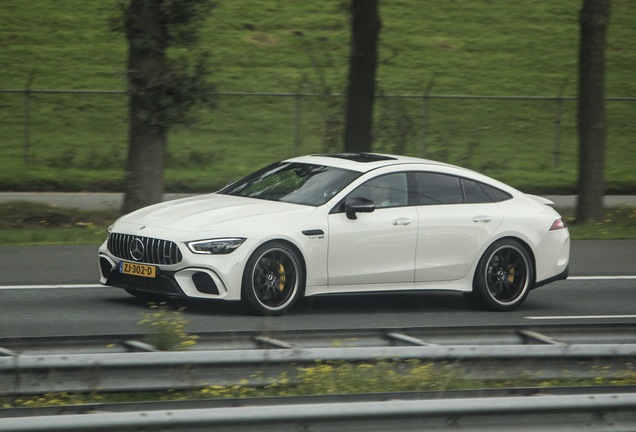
(204, 283)
(105, 266)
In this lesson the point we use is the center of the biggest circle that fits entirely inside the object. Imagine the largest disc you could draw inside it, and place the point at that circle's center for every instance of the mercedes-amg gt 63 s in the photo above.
(342, 223)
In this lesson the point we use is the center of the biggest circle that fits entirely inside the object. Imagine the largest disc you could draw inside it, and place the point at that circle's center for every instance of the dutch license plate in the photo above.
(135, 269)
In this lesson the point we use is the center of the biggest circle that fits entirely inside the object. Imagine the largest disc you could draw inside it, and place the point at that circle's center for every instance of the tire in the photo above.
(273, 279)
(503, 277)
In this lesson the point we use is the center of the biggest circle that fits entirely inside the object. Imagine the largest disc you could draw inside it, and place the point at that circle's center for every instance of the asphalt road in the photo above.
(50, 290)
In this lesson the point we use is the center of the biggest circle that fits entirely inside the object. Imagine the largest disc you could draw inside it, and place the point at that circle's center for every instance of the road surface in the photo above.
(51, 290)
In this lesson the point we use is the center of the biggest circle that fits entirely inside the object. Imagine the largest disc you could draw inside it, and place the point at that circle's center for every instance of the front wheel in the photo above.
(503, 277)
(273, 279)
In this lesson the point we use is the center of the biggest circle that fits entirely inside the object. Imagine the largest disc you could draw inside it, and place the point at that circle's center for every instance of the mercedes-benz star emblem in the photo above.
(136, 249)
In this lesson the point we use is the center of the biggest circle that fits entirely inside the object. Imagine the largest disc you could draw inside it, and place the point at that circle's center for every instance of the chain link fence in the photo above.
(88, 129)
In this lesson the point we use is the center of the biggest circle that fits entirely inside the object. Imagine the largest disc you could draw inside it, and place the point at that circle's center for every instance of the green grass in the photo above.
(473, 47)
(340, 378)
(619, 223)
(24, 223)
(53, 236)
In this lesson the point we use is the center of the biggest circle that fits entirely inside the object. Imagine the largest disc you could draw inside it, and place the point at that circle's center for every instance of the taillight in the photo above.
(558, 224)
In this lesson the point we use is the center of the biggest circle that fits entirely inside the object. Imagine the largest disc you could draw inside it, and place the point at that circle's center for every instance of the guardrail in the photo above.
(105, 364)
(614, 333)
(160, 371)
(611, 412)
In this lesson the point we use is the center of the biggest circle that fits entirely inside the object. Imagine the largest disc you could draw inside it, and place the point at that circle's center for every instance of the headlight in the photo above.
(222, 246)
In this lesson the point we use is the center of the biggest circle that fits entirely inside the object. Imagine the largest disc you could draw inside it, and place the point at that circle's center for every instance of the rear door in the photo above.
(455, 222)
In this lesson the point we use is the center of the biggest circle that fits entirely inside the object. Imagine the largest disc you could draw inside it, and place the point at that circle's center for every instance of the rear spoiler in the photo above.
(542, 200)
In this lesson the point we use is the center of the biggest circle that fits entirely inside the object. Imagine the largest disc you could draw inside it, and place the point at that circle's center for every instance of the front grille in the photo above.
(155, 251)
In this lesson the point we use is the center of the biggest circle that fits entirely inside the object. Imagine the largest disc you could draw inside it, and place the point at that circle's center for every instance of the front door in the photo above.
(377, 247)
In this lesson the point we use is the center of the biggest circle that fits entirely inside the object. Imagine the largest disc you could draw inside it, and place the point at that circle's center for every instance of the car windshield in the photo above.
(296, 183)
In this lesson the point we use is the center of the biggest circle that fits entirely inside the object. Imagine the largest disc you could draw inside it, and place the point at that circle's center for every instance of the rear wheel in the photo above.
(503, 277)
(273, 279)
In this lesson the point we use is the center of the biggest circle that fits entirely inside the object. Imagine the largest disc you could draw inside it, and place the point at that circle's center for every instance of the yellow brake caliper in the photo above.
(511, 274)
(281, 277)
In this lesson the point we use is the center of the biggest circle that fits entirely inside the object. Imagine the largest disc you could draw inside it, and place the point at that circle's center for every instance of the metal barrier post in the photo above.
(26, 117)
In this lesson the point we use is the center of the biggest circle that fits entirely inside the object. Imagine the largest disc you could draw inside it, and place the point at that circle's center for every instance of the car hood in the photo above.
(209, 212)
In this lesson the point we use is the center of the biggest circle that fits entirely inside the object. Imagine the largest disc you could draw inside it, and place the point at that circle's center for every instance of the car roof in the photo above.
(365, 162)
(362, 162)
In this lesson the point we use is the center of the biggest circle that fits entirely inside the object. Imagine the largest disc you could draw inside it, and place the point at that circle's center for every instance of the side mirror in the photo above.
(357, 205)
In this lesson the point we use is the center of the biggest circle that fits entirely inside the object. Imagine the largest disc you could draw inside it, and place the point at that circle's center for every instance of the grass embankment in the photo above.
(78, 142)
(24, 223)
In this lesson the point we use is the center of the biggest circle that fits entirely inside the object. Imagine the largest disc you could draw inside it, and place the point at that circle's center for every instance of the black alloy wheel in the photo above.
(273, 279)
(504, 276)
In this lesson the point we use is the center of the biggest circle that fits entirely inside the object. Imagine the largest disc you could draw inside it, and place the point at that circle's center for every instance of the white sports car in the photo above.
(342, 223)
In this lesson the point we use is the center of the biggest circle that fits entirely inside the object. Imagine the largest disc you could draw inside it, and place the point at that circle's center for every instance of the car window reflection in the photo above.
(294, 183)
(386, 191)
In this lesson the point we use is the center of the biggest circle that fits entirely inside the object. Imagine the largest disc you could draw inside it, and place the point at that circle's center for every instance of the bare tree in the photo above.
(592, 124)
(163, 89)
(365, 30)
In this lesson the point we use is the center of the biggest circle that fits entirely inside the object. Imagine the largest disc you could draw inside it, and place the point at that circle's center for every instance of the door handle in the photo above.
(401, 221)
(482, 219)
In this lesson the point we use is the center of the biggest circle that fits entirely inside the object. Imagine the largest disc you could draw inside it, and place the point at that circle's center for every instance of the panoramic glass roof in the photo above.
(358, 157)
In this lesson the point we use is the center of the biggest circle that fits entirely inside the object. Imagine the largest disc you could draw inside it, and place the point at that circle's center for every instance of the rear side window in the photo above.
(497, 195)
(475, 193)
(433, 188)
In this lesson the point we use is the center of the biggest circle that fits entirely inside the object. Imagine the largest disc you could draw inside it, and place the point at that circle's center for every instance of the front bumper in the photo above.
(180, 282)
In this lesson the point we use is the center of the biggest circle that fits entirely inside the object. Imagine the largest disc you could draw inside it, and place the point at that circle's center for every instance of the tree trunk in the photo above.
(365, 29)
(594, 21)
(144, 181)
(147, 145)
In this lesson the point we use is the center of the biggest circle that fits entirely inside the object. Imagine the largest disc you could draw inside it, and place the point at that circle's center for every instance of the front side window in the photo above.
(295, 183)
(385, 191)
